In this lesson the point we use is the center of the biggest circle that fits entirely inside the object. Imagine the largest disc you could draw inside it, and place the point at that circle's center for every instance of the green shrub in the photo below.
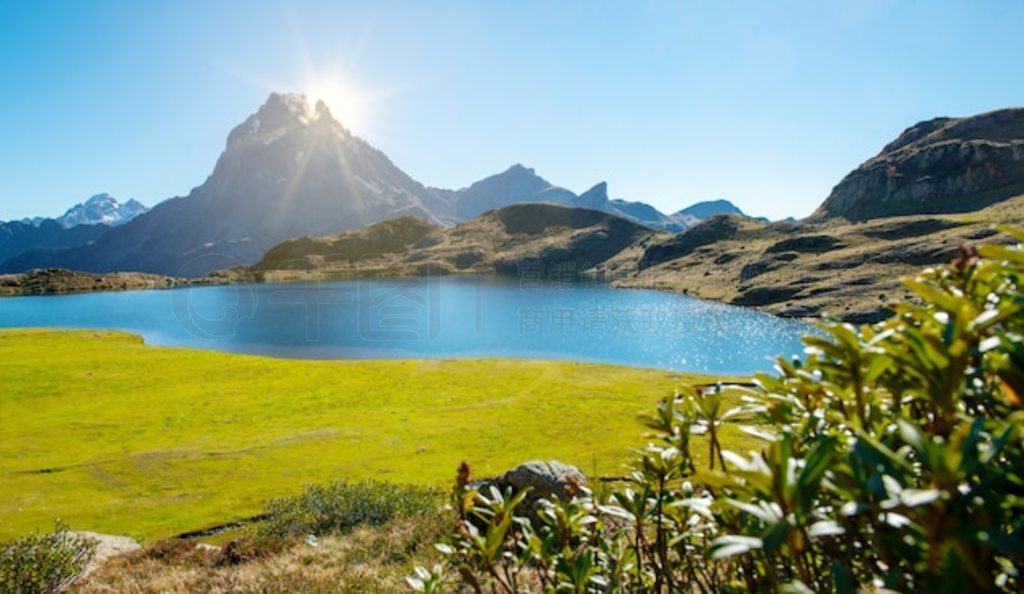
(893, 459)
(326, 509)
(47, 563)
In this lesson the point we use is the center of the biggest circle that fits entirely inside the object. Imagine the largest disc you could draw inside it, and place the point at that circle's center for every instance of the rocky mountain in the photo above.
(101, 209)
(292, 170)
(944, 165)
(288, 170)
(519, 184)
(515, 185)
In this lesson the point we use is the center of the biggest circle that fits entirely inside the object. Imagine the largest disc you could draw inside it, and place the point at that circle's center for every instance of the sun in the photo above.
(345, 103)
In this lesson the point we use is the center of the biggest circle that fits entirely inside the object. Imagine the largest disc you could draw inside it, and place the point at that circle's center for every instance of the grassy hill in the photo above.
(832, 268)
(499, 241)
(118, 437)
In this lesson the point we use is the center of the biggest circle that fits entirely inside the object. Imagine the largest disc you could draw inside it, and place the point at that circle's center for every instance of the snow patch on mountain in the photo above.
(101, 209)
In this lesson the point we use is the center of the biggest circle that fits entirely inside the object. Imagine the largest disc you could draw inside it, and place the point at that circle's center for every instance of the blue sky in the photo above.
(766, 104)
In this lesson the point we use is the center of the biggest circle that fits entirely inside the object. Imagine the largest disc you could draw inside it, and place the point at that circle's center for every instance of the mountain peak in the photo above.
(281, 114)
(594, 197)
(516, 184)
(100, 198)
(520, 169)
(321, 110)
(515, 176)
(295, 108)
(101, 209)
(295, 105)
(709, 208)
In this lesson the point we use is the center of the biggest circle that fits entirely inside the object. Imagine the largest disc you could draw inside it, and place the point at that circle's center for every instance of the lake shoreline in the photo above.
(456, 316)
(62, 281)
(55, 282)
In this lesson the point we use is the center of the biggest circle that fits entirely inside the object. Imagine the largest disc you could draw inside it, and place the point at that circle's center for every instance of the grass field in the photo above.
(114, 436)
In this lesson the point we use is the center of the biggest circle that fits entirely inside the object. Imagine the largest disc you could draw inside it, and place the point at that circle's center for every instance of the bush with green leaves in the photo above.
(43, 563)
(341, 506)
(892, 460)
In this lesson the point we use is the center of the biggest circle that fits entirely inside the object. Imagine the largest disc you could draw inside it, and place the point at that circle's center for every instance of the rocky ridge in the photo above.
(944, 165)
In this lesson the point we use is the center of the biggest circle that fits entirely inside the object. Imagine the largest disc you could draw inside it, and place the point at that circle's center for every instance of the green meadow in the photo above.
(111, 435)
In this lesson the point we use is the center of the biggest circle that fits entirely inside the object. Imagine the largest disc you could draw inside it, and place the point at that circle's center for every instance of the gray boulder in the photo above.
(544, 479)
(107, 546)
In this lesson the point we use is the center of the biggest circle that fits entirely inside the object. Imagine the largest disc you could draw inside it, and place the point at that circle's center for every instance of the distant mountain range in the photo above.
(519, 184)
(101, 209)
(80, 224)
(291, 170)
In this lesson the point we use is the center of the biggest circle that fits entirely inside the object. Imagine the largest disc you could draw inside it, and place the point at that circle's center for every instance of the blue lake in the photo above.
(436, 317)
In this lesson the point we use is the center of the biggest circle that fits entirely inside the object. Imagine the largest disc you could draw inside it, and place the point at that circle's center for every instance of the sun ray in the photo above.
(332, 81)
(297, 178)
